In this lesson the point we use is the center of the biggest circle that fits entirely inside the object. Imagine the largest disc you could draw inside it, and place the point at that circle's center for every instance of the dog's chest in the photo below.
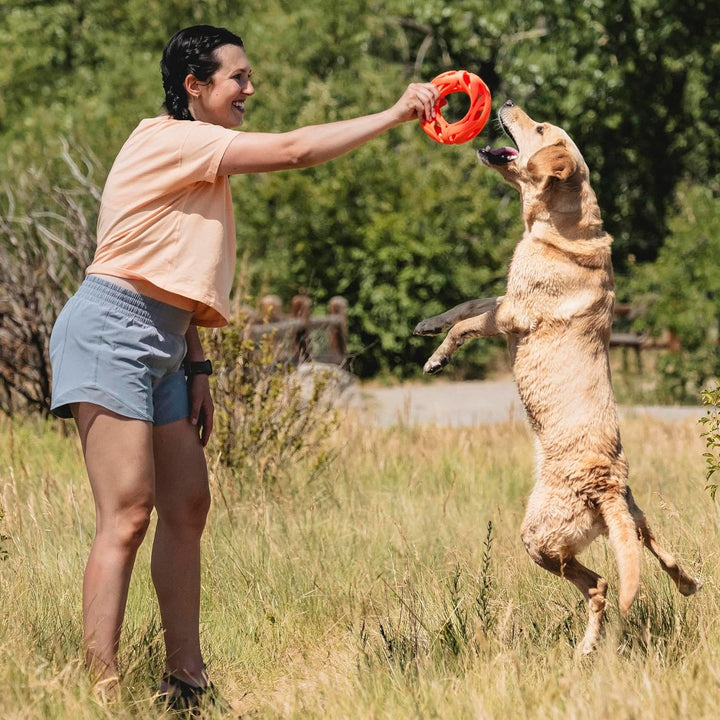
(549, 282)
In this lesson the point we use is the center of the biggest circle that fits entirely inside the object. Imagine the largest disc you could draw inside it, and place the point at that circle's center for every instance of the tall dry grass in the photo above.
(394, 585)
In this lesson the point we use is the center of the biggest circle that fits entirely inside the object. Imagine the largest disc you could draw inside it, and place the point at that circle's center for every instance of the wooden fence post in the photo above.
(300, 309)
(337, 308)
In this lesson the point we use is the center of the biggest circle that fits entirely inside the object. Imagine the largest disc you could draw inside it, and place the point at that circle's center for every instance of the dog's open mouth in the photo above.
(503, 155)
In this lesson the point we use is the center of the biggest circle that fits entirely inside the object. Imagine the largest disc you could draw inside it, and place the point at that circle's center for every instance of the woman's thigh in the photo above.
(182, 494)
(119, 457)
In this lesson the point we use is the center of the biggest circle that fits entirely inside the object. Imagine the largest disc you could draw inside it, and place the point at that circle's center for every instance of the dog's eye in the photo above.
(540, 129)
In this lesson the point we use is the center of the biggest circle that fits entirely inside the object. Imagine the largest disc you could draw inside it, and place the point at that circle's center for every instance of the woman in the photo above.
(127, 361)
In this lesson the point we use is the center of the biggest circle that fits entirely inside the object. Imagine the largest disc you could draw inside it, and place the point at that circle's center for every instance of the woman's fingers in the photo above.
(419, 101)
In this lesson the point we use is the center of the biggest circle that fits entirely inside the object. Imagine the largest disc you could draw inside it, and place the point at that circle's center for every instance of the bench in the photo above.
(300, 337)
(638, 341)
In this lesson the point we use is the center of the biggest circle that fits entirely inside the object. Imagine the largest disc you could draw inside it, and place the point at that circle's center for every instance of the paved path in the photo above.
(471, 403)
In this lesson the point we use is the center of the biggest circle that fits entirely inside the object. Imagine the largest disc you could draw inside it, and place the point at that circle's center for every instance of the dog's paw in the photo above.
(689, 586)
(585, 652)
(429, 326)
(530, 324)
(434, 365)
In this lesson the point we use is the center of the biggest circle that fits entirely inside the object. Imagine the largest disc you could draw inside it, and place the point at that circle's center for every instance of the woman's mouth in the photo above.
(239, 105)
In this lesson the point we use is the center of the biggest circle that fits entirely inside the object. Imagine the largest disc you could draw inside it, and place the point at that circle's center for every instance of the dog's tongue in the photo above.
(504, 154)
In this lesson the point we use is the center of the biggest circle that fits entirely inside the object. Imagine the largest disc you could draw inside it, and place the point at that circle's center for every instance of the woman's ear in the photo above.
(192, 85)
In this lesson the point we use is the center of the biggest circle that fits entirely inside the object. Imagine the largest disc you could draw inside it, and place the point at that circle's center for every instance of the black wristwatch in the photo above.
(203, 367)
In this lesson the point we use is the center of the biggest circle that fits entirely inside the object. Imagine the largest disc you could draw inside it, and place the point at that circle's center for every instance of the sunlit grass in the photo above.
(394, 585)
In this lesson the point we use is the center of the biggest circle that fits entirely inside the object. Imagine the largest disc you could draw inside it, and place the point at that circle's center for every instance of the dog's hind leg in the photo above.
(463, 311)
(685, 584)
(592, 586)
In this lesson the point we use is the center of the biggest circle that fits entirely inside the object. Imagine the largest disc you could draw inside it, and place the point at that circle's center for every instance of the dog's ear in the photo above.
(554, 162)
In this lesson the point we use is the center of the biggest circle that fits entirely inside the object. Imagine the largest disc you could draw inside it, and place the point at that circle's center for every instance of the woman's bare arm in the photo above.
(315, 144)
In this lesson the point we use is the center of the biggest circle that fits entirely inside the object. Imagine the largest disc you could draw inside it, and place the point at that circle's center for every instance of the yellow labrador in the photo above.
(556, 314)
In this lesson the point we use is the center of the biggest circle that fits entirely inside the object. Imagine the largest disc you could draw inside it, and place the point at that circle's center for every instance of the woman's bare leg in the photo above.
(182, 500)
(119, 459)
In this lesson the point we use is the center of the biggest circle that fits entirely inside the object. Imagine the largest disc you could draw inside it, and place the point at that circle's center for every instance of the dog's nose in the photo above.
(508, 103)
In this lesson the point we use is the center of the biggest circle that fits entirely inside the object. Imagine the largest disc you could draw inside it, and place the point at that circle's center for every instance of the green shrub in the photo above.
(267, 419)
(711, 421)
(680, 291)
(47, 239)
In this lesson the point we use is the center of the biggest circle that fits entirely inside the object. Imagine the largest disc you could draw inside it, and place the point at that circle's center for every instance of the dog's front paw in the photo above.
(529, 324)
(435, 365)
(429, 326)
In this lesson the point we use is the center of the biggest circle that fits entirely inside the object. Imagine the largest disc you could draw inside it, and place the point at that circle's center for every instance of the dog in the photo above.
(556, 313)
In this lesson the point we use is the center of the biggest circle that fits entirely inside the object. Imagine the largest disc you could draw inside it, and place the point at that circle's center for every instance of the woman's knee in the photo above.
(199, 506)
(126, 529)
(188, 510)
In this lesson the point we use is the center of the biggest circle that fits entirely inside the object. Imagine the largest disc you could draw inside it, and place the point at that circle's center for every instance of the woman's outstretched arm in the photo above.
(315, 144)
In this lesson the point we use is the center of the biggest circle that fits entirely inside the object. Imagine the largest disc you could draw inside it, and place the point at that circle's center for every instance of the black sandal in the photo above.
(184, 697)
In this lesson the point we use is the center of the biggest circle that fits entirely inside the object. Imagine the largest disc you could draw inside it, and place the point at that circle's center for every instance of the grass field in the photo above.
(393, 585)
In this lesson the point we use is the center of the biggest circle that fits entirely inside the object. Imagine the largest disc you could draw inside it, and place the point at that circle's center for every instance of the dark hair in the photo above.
(191, 51)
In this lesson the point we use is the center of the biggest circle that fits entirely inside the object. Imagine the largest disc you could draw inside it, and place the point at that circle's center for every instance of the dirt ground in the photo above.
(470, 403)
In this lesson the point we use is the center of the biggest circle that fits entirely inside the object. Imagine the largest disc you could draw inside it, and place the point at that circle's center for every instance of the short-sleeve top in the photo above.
(166, 216)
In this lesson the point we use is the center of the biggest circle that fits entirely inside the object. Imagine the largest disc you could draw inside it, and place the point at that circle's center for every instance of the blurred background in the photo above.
(402, 228)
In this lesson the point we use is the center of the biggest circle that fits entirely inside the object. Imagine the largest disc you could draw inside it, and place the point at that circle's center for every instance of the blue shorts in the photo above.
(116, 348)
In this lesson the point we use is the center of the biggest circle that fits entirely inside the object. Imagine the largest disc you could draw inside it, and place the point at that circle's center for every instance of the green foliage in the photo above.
(87, 69)
(711, 433)
(625, 78)
(47, 218)
(390, 249)
(403, 227)
(267, 421)
(680, 292)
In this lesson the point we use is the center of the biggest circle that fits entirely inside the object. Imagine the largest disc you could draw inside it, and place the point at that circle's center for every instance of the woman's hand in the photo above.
(201, 406)
(418, 101)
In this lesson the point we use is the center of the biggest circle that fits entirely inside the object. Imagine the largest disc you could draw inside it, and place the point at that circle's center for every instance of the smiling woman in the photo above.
(126, 356)
(196, 57)
(221, 99)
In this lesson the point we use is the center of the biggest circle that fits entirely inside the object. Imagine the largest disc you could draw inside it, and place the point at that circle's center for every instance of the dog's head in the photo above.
(545, 166)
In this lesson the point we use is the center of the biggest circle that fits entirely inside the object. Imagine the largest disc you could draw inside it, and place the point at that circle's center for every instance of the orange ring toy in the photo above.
(476, 117)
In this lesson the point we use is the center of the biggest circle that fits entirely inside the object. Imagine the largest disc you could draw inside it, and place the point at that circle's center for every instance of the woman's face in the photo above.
(221, 100)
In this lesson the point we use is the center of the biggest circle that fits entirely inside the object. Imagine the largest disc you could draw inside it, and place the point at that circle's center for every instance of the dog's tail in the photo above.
(625, 542)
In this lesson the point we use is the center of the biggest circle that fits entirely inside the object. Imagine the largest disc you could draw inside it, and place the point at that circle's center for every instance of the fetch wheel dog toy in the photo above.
(476, 117)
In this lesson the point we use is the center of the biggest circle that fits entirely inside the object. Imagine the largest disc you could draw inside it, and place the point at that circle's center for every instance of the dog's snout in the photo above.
(509, 103)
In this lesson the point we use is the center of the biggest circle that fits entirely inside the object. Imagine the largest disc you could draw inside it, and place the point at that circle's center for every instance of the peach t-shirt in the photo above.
(166, 216)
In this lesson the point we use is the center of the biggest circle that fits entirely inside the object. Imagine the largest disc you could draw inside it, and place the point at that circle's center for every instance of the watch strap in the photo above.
(201, 367)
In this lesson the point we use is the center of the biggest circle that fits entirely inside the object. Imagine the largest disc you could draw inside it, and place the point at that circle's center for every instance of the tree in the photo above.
(626, 78)
(403, 227)
(680, 292)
